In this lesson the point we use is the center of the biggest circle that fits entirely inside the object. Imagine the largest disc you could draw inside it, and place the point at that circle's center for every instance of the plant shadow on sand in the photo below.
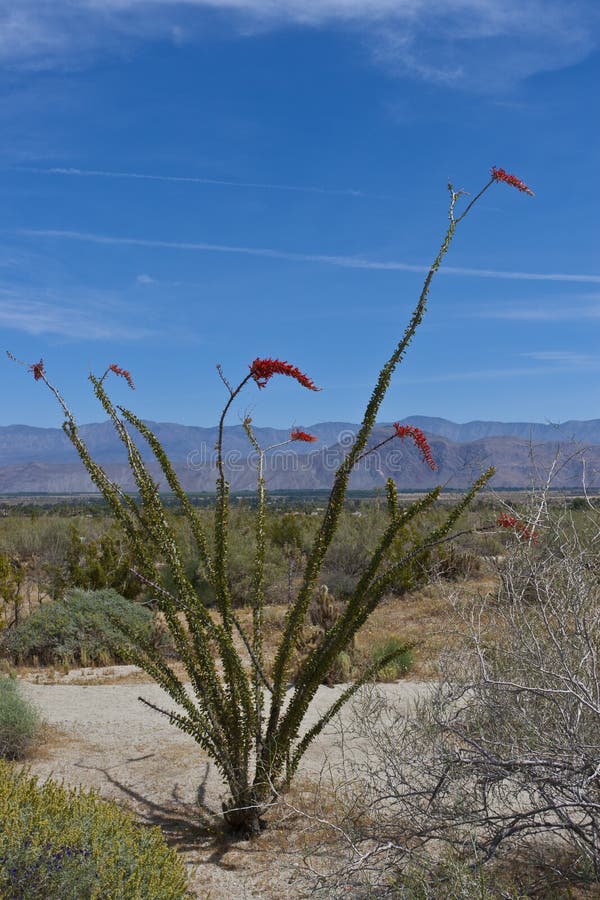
(195, 829)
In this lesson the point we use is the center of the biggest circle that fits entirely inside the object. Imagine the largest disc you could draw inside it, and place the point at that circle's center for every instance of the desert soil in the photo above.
(100, 735)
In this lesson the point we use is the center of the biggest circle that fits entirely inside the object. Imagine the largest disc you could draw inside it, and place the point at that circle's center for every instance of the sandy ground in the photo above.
(102, 736)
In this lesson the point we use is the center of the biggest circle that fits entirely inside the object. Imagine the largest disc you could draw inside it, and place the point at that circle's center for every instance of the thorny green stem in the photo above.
(258, 590)
(336, 498)
(226, 717)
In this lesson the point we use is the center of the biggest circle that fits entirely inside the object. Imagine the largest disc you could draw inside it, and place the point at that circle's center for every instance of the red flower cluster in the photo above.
(37, 369)
(525, 533)
(297, 435)
(263, 369)
(420, 440)
(501, 175)
(124, 373)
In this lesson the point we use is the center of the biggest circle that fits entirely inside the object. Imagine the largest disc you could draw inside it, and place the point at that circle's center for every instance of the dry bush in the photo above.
(499, 759)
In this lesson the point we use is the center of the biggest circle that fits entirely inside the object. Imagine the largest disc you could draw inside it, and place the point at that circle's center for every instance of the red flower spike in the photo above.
(297, 435)
(123, 373)
(525, 533)
(501, 175)
(411, 431)
(263, 369)
(37, 369)
(506, 521)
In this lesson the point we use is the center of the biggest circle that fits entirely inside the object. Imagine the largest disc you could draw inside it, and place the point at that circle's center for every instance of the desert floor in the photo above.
(100, 735)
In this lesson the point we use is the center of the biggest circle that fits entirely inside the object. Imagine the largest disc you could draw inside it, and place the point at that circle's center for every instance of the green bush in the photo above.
(400, 665)
(456, 879)
(454, 564)
(11, 579)
(59, 843)
(78, 629)
(19, 721)
(100, 564)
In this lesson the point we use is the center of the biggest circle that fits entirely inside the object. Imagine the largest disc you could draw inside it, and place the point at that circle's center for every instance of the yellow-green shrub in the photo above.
(19, 720)
(60, 843)
(400, 665)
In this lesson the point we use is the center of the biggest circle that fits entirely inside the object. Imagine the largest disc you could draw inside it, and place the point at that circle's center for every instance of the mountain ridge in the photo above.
(28, 443)
(36, 460)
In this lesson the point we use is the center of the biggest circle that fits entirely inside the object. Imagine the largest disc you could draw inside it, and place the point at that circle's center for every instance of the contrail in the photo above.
(345, 262)
(191, 179)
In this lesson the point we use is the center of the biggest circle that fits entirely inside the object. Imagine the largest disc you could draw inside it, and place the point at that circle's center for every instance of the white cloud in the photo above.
(570, 357)
(562, 367)
(21, 310)
(345, 262)
(193, 179)
(477, 375)
(484, 44)
(558, 309)
(554, 362)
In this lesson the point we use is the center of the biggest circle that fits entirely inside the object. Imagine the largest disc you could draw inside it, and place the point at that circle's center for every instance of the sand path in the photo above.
(102, 736)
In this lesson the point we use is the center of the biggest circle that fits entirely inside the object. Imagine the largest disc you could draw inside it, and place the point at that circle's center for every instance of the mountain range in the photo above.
(42, 460)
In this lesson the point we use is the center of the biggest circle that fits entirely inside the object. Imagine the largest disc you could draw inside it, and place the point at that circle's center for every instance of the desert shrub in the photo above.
(289, 537)
(59, 843)
(348, 555)
(354, 543)
(579, 503)
(343, 668)
(400, 664)
(59, 550)
(98, 564)
(79, 629)
(289, 532)
(455, 564)
(19, 720)
(498, 761)
(454, 878)
(11, 579)
(323, 613)
(40, 544)
(418, 570)
(350, 663)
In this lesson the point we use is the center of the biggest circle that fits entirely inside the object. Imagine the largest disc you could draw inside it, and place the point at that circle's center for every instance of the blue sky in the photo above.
(202, 182)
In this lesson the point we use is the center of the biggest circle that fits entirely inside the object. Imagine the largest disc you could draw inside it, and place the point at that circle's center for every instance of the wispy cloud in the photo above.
(442, 377)
(569, 357)
(562, 367)
(474, 43)
(554, 362)
(20, 311)
(558, 309)
(192, 179)
(149, 281)
(347, 262)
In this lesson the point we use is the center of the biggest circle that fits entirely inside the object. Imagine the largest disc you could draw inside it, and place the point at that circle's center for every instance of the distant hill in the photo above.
(24, 443)
(587, 432)
(42, 460)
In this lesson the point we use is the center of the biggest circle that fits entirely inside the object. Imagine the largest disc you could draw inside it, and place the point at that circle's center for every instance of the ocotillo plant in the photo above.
(235, 709)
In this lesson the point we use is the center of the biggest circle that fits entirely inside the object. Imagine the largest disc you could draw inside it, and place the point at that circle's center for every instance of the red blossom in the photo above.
(502, 175)
(411, 431)
(37, 369)
(124, 373)
(524, 532)
(263, 369)
(297, 435)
